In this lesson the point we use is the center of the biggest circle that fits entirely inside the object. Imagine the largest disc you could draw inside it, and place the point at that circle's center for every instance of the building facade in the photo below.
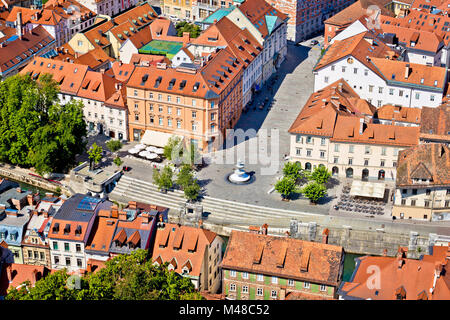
(192, 252)
(423, 185)
(261, 267)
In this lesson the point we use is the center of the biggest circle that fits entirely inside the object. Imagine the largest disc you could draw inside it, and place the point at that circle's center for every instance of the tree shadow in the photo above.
(203, 182)
(331, 183)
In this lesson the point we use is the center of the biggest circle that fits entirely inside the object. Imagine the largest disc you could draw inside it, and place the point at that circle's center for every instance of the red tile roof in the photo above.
(413, 279)
(399, 114)
(348, 130)
(303, 260)
(182, 244)
(20, 273)
(31, 43)
(68, 75)
(436, 123)
(430, 161)
(319, 114)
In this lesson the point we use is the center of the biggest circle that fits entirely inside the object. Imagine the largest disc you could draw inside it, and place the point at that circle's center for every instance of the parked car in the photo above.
(314, 42)
(126, 168)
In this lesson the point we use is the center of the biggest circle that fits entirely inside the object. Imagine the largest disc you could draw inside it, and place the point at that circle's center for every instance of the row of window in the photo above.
(102, 117)
(37, 255)
(274, 280)
(427, 191)
(68, 261)
(273, 293)
(169, 99)
(427, 203)
(67, 246)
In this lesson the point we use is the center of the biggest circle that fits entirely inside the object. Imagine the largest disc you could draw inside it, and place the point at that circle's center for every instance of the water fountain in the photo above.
(240, 176)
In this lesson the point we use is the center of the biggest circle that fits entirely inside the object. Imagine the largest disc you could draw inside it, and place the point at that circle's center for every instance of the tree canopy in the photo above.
(286, 186)
(126, 277)
(164, 178)
(321, 174)
(35, 130)
(314, 191)
(183, 26)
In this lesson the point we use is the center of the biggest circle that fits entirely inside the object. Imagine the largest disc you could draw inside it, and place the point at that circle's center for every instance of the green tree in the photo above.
(314, 191)
(114, 145)
(183, 26)
(286, 186)
(172, 149)
(163, 178)
(185, 176)
(125, 277)
(293, 170)
(95, 153)
(35, 130)
(192, 191)
(191, 155)
(118, 162)
(321, 175)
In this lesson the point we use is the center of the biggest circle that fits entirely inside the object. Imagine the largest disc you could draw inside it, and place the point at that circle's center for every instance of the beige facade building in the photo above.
(423, 183)
(336, 129)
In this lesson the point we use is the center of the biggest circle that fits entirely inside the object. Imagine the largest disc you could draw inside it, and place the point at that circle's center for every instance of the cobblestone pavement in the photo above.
(290, 93)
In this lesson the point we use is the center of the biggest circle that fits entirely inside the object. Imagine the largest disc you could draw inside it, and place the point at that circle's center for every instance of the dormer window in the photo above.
(67, 229)
(56, 228)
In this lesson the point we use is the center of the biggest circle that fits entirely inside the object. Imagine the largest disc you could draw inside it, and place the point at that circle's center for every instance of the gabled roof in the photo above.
(185, 254)
(399, 113)
(357, 47)
(319, 114)
(348, 130)
(305, 261)
(97, 86)
(356, 11)
(419, 76)
(257, 11)
(425, 161)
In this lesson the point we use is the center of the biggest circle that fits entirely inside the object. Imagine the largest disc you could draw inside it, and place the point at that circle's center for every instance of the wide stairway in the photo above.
(219, 211)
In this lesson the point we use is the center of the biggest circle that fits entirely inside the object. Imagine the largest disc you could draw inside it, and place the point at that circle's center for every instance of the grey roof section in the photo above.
(69, 210)
(23, 216)
(5, 197)
(144, 237)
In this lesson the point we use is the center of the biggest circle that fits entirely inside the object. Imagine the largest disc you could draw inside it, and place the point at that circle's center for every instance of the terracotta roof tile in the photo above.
(425, 161)
(435, 123)
(174, 244)
(321, 261)
(411, 279)
(399, 114)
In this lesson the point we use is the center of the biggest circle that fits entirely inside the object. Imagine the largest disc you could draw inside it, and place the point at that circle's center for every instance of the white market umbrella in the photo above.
(151, 156)
(133, 151)
(159, 151)
(140, 146)
(143, 153)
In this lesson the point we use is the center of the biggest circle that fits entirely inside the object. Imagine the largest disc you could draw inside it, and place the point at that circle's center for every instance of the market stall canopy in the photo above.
(367, 189)
(156, 138)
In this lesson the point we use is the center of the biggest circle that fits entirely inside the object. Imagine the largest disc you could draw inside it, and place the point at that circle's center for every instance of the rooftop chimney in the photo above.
(132, 204)
(19, 25)
(340, 86)
(114, 211)
(325, 233)
(200, 223)
(361, 125)
(122, 215)
(407, 71)
(30, 199)
(9, 273)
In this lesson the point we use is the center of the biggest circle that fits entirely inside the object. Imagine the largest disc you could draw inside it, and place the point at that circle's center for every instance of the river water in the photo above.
(26, 186)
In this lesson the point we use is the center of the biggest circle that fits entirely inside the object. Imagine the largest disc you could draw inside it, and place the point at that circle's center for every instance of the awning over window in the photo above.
(156, 138)
(367, 189)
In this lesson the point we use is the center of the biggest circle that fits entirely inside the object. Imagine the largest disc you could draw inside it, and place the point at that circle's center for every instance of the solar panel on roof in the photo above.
(88, 204)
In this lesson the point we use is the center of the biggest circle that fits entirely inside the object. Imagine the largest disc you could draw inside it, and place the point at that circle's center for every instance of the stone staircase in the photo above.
(219, 211)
